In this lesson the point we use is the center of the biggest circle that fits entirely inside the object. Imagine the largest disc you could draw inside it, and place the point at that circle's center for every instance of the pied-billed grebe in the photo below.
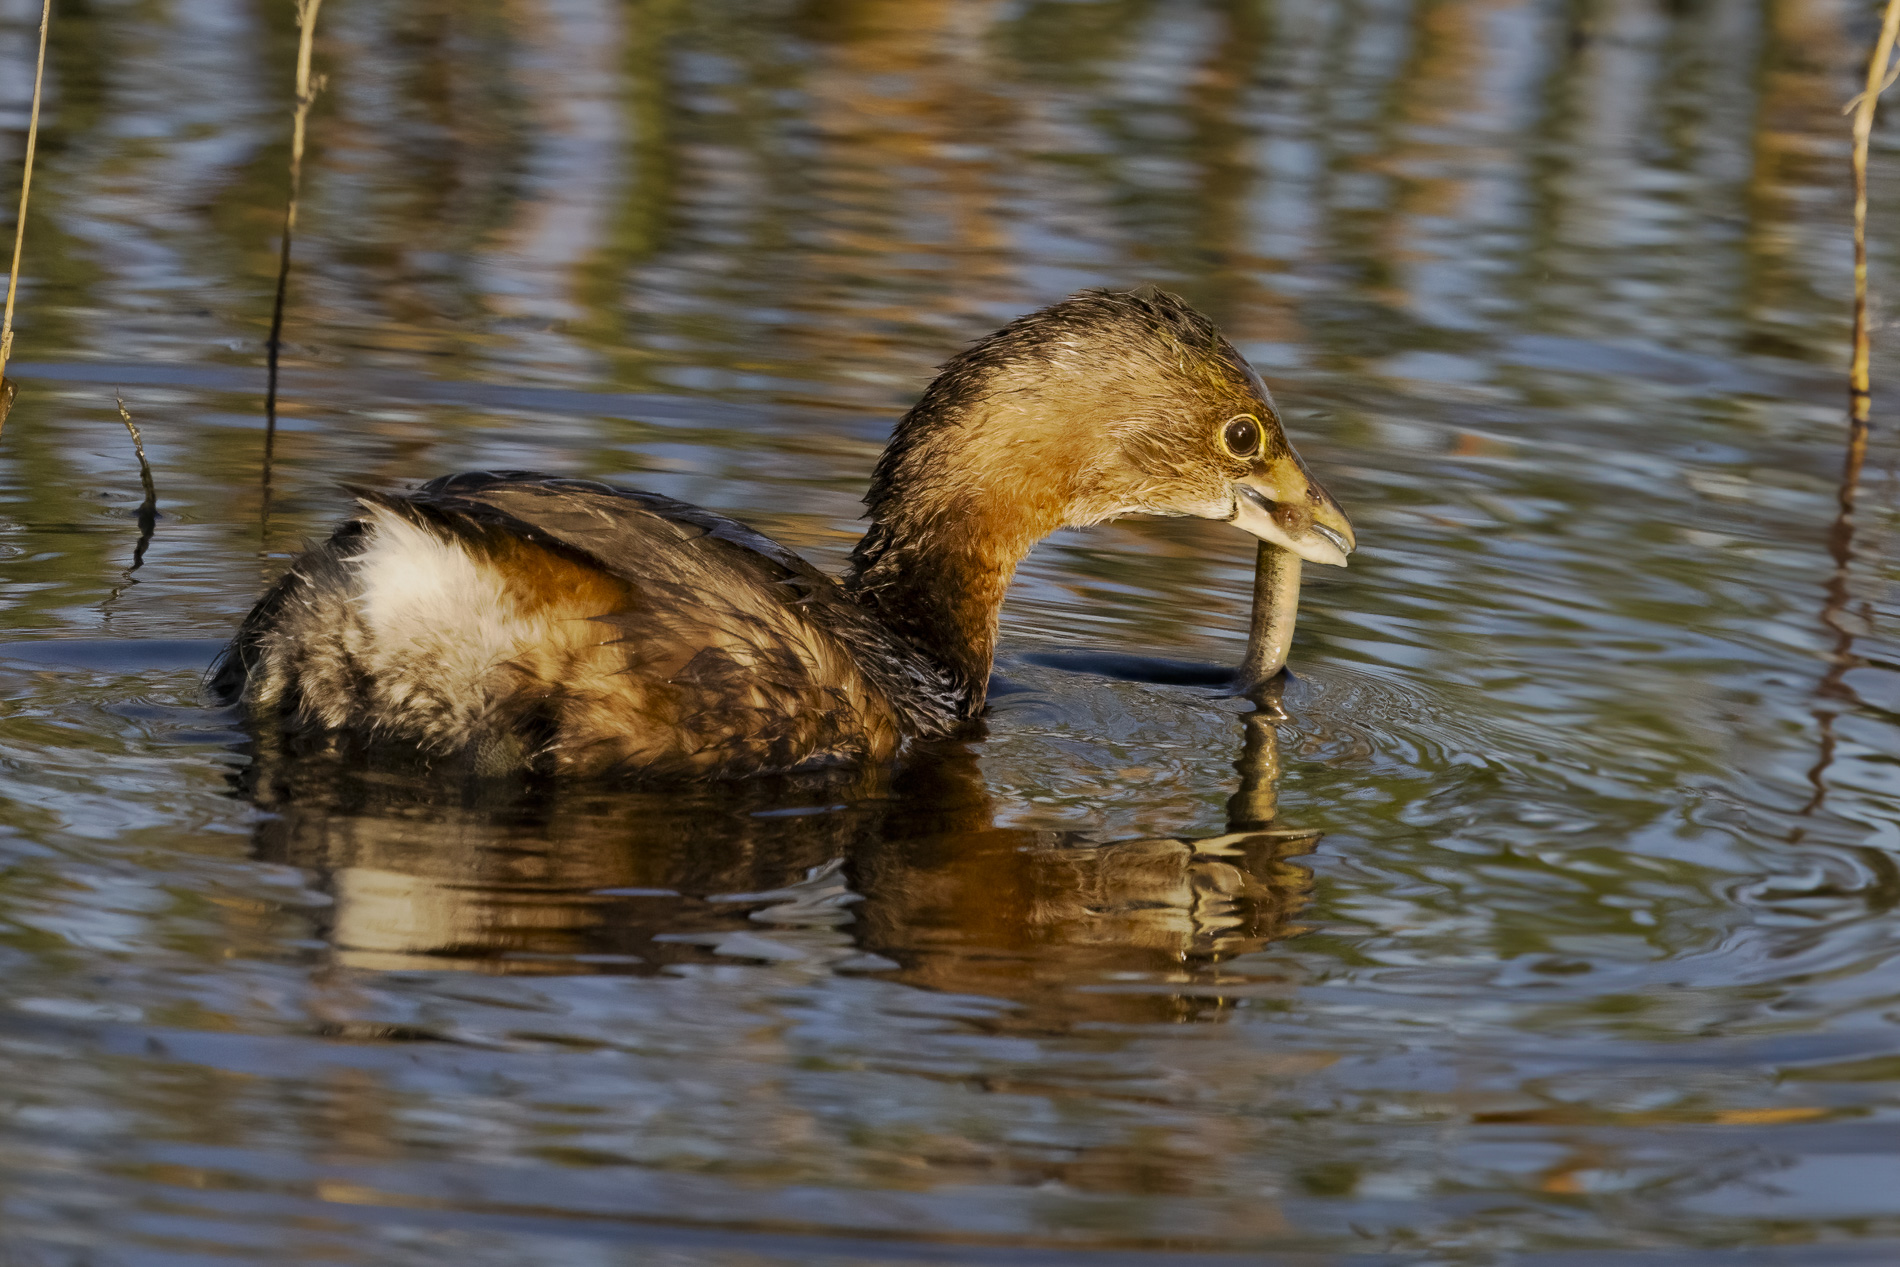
(520, 621)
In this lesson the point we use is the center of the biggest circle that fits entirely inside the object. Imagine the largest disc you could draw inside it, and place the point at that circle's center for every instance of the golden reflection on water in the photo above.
(926, 887)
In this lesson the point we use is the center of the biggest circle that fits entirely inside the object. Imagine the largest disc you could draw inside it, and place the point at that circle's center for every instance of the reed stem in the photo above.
(1833, 690)
(7, 389)
(148, 509)
(307, 90)
(1860, 386)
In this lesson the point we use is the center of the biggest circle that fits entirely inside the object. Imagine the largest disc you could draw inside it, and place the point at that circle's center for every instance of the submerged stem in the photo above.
(148, 509)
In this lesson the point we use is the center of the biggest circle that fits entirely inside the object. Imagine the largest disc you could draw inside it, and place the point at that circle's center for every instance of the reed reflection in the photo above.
(906, 874)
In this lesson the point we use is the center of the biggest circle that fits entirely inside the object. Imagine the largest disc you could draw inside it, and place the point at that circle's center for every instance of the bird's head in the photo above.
(1109, 404)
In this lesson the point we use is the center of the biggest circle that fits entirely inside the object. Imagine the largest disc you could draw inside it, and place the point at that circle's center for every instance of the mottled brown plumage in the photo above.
(520, 621)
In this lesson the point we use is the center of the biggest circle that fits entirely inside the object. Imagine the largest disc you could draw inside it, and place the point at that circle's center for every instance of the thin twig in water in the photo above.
(307, 90)
(19, 226)
(1833, 685)
(148, 510)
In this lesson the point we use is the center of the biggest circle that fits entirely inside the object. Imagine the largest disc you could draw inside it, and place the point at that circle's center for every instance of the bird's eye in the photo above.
(1241, 436)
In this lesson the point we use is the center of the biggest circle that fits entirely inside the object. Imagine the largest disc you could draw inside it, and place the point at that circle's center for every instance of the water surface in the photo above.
(1571, 939)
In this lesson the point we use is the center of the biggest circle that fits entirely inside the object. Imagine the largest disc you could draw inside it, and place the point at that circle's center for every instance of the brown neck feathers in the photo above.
(978, 472)
(935, 570)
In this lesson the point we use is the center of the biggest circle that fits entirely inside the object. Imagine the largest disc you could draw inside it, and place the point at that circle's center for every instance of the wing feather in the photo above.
(661, 639)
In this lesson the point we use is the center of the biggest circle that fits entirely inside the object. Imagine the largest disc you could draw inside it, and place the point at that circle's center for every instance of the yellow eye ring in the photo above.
(1241, 436)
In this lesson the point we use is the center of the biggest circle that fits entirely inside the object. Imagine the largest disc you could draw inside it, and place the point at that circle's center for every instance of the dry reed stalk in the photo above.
(138, 447)
(1833, 690)
(7, 389)
(307, 90)
(1860, 386)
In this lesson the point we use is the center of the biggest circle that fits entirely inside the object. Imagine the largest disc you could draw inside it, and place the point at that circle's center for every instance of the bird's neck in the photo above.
(940, 554)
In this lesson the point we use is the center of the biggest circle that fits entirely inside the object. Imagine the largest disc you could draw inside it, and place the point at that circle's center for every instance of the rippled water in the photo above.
(1574, 934)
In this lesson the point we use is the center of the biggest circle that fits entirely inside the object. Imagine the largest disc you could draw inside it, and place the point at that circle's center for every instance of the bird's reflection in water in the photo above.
(905, 874)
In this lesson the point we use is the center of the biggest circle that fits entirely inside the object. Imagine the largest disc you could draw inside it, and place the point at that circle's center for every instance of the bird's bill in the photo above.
(1280, 503)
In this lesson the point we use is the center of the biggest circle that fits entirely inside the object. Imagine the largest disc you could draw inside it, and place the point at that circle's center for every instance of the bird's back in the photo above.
(519, 621)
